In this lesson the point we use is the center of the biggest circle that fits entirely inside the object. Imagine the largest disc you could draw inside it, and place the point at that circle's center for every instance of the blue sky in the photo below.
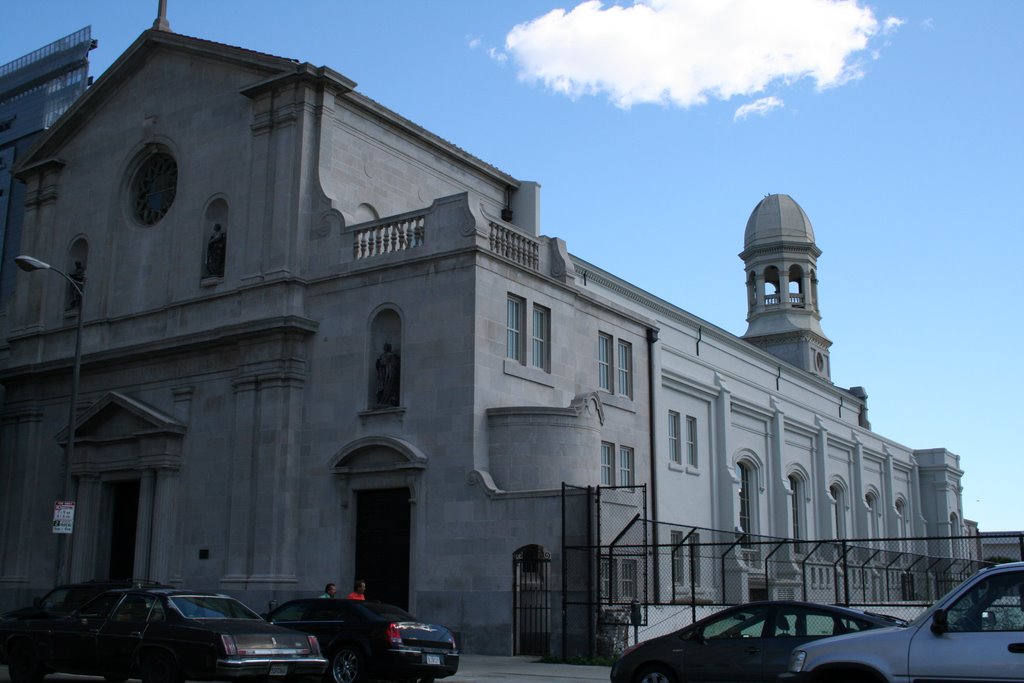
(655, 127)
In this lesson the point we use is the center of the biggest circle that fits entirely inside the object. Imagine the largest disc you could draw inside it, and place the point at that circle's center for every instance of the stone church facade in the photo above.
(320, 343)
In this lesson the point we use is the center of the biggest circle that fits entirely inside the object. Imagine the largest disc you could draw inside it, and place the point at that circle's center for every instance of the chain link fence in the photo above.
(637, 579)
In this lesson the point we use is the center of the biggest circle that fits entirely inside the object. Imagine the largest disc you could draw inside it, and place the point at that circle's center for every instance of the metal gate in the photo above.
(531, 600)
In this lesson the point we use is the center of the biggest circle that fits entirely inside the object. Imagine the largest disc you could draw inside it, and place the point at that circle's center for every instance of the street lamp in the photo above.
(30, 263)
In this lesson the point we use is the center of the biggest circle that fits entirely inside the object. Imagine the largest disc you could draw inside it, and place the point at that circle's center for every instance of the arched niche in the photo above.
(384, 386)
(215, 238)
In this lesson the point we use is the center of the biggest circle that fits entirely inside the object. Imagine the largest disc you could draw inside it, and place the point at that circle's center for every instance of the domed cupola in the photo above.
(781, 261)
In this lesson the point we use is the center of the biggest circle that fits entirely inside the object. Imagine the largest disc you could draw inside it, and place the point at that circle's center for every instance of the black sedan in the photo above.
(67, 598)
(162, 635)
(368, 640)
(741, 644)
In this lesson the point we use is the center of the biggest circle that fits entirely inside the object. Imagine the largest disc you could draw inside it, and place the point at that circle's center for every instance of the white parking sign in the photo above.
(63, 516)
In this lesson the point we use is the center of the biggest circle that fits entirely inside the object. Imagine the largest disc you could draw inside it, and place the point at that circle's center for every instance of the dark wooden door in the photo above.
(382, 545)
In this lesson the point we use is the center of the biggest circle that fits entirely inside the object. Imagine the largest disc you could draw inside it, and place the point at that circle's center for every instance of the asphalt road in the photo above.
(472, 669)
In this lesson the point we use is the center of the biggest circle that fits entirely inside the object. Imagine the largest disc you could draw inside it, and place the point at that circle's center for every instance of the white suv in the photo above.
(976, 633)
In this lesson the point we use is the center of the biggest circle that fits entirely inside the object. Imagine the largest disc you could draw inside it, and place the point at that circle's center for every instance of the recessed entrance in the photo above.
(382, 544)
(124, 518)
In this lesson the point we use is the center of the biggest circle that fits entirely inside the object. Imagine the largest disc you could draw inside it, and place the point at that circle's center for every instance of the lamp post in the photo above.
(29, 263)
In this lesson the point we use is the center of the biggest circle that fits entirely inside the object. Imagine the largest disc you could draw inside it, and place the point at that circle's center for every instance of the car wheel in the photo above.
(160, 667)
(22, 665)
(656, 674)
(346, 666)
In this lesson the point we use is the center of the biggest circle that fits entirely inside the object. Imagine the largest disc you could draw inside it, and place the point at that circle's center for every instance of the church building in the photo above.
(320, 343)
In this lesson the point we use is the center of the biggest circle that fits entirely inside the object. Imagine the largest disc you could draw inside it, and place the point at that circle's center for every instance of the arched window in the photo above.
(838, 509)
(796, 286)
(796, 492)
(771, 286)
(871, 502)
(901, 518)
(747, 476)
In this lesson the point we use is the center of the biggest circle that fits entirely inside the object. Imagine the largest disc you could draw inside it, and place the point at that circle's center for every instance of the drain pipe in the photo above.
(652, 337)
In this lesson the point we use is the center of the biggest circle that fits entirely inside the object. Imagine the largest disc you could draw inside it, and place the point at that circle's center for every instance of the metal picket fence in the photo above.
(638, 579)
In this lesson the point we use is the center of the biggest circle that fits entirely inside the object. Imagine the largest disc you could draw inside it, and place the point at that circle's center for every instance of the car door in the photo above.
(322, 618)
(729, 647)
(984, 636)
(73, 638)
(794, 625)
(122, 633)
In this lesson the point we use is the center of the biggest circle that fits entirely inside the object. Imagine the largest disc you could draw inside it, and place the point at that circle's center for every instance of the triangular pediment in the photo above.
(147, 47)
(117, 417)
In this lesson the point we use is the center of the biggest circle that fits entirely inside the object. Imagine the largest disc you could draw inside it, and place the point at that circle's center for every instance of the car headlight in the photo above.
(796, 661)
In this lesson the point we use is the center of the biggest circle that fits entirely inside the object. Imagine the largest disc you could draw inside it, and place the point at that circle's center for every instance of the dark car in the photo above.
(67, 598)
(741, 644)
(365, 640)
(162, 635)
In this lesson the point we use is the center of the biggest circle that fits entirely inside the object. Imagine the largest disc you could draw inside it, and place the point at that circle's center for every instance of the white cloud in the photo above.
(474, 43)
(497, 55)
(684, 52)
(760, 107)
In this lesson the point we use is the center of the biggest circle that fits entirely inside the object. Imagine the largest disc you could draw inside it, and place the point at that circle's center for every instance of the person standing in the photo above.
(329, 591)
(358, 590)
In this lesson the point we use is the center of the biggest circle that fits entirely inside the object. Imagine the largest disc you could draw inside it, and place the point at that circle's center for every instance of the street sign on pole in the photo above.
(63, 516)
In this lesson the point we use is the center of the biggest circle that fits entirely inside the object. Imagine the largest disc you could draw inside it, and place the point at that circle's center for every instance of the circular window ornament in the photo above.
(819, 362)
(154, 188)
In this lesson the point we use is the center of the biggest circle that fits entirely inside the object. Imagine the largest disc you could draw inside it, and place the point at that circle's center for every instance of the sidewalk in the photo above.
(484, 669)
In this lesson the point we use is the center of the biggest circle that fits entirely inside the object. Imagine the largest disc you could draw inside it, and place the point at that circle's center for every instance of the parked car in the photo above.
(975, 632)
(162, 635)
(750, 642)
(365, 640)
(69, 597)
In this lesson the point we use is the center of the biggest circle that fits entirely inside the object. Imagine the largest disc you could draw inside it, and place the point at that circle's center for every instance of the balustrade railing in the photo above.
(385, 238)
(514, 246)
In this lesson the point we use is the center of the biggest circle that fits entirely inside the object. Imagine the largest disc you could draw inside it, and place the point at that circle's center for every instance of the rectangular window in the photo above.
(625, 466)
(625, 369)
(541, 338)
(604, 362)
(674, 450)
(627, 579)
(678, 559)
(691, 441)
(607, 464)
(514, 324)
(695, 558)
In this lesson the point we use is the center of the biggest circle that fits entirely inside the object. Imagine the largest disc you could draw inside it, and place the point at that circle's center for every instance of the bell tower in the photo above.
(781, 263)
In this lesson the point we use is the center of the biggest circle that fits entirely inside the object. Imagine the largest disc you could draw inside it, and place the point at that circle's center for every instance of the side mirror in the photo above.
(940, 622)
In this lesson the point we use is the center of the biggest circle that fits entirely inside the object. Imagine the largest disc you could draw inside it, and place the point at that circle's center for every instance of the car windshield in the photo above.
(211, 607)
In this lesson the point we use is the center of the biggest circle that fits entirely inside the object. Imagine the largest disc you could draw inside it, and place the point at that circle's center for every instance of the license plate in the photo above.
(278, 669)
(434, 659)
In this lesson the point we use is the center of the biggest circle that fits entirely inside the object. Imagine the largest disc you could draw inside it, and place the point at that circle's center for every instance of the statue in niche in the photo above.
(388, 364)
(216, 251)
(75, 294)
